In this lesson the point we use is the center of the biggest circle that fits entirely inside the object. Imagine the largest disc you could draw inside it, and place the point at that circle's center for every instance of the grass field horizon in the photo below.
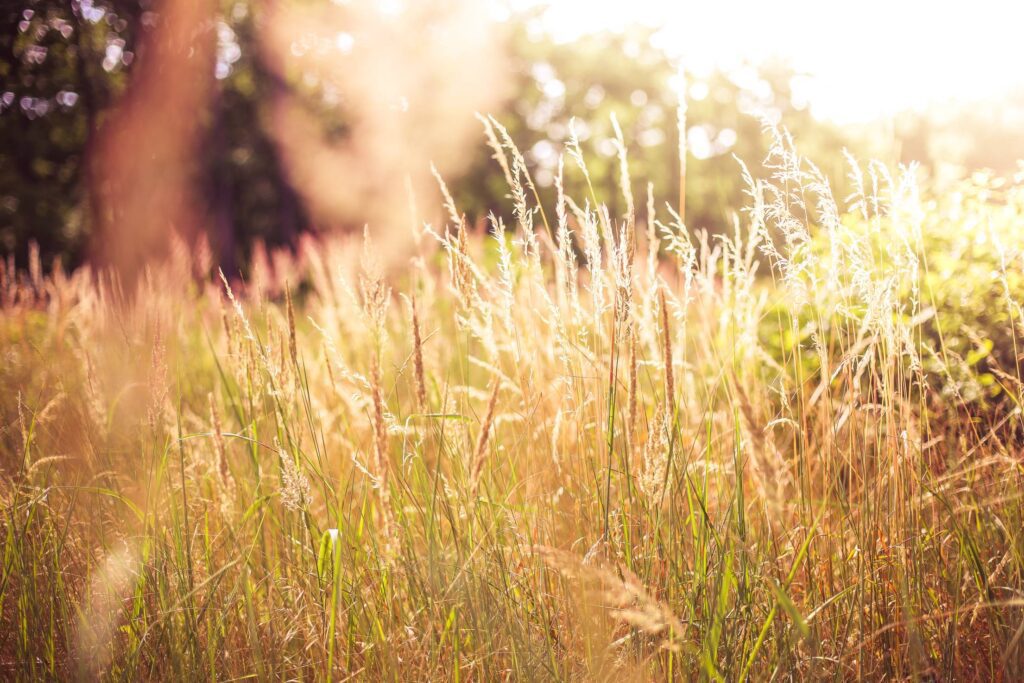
(572, 446)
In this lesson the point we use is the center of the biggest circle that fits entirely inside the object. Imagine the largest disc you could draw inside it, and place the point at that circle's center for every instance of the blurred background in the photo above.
(244, 124)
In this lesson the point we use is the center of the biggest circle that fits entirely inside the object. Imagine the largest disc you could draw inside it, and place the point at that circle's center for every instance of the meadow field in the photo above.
(565, 445)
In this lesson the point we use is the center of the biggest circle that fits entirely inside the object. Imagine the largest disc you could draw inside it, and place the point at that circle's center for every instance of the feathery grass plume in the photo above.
(653, 243)
(417, 356)
(472, 311)
(449, 203)
(218, 442)
(463, 273)
(480, 452)
(572, 146)
(23, 426)
(158, 385)
(632, 401)
(376, 297)
(627, 192)
(293, 349)
(522, 212)
(652, 474)
(382, 465)
(295, 486)
(46, 414)
(771, 474)
(506, 288)
(228, 326)
(238, 308)
(856, 201)
(593, 257)
(607, 230)
(623, 275)
(627, 233)
(519, 167)
(565, 261)
(679, 244)
(495, 145)
(666, 332)
(621, 593)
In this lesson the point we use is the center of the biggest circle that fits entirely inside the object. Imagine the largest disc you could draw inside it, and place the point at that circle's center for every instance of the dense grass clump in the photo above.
(585, 447)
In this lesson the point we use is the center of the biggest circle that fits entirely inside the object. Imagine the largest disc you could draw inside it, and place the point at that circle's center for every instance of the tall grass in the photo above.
(598, 448)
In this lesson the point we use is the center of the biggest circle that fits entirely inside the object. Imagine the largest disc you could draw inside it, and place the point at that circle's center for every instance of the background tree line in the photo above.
(65, 65)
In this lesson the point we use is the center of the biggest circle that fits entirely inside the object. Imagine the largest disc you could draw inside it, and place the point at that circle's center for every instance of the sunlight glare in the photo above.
(864, 60)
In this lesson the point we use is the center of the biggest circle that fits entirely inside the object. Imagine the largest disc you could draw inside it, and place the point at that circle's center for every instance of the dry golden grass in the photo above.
(568, 458)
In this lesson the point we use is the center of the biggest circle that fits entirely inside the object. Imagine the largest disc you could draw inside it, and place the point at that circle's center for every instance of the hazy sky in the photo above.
(868, 58)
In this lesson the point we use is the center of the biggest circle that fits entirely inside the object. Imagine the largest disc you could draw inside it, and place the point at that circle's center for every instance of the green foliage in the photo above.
(57, 81)
(953, 259)
(63, 66)
(626, 75)
(973, 244)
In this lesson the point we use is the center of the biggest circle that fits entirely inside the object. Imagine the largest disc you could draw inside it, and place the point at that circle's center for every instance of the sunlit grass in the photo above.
(590, 447)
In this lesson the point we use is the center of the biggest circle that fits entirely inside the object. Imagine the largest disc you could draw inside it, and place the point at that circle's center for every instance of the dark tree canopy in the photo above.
(64, 65)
